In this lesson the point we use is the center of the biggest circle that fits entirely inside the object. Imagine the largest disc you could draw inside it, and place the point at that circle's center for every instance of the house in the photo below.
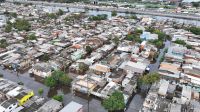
(77, 55)
(170, 70)
(85, 83)
(175, 107)
(50, 106)
(8, 105)
(148, 36)
(110, 88)
(100, 69)
(163, 87)
(72, 107)
(134, 67)
(192, 69)
(175, 53)
(41, 70)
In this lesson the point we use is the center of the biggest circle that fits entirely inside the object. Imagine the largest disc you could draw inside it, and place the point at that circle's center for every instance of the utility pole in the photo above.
(88, 94)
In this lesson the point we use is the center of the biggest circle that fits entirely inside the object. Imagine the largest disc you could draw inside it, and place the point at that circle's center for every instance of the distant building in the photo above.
(50, 106)
(72, 107)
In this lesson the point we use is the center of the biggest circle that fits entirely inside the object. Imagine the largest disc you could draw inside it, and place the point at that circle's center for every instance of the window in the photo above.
(9, 108)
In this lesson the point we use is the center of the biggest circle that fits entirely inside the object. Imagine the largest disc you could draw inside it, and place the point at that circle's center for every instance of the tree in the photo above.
(57, 78)
(8, 28)
(115, 102)
(60, 12)
(181, 42)
(133, 17)
(40, 91)
(159, 44)
(50, 82)
(195, 30)
(98, 17)
(45, 57)
(13, 14)
(3, 43)
(31, 37)
(114, 13)
(88, 49)
(138, 31)
(83, 67)
(116, 40)
(58, 98)
(196, 4)
(51, 15)
(149, 78)
(189, 46)
(22, 24)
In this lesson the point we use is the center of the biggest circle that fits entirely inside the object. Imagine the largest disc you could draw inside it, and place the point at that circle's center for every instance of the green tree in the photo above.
(22, 24)
(98, 17)
(189, 46)
(50, 82)
(181, 42)
(40, 91)
(114, 13)
(196, 4)
(88, 49)
(195, 30)
(58, 98)
(115, 102)
(8, 28)
(138, 31)
(130, 37)
(13, 14)
(159, 43)
(3, 43)
(134, 37)
(149, 78)
(31, 37)
(45, 57)
(51, 15)
(60, 12)
(115, 40)
(133, 17)
(58, 77)
(83, 67)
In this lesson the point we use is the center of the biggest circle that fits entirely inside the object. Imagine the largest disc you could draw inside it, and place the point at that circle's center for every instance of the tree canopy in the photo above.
(31, 37)
(115, 40)
(195, 30)
(40, 91)
(8, 28)
(3, 43)
(115, 102)
(88, 49)
(149, 78)
(22, 24)
(114, 13)
(58, 98)
(58, 77)
(98, 17)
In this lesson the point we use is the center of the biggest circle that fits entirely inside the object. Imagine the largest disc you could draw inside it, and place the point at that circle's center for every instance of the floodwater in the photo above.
(96, 12)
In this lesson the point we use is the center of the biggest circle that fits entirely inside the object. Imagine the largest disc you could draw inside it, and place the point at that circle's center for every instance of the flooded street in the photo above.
(154, 67)
(136, 103)
(29, 82)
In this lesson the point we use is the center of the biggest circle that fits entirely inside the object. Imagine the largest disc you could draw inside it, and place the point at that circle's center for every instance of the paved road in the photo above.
(120, 9)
